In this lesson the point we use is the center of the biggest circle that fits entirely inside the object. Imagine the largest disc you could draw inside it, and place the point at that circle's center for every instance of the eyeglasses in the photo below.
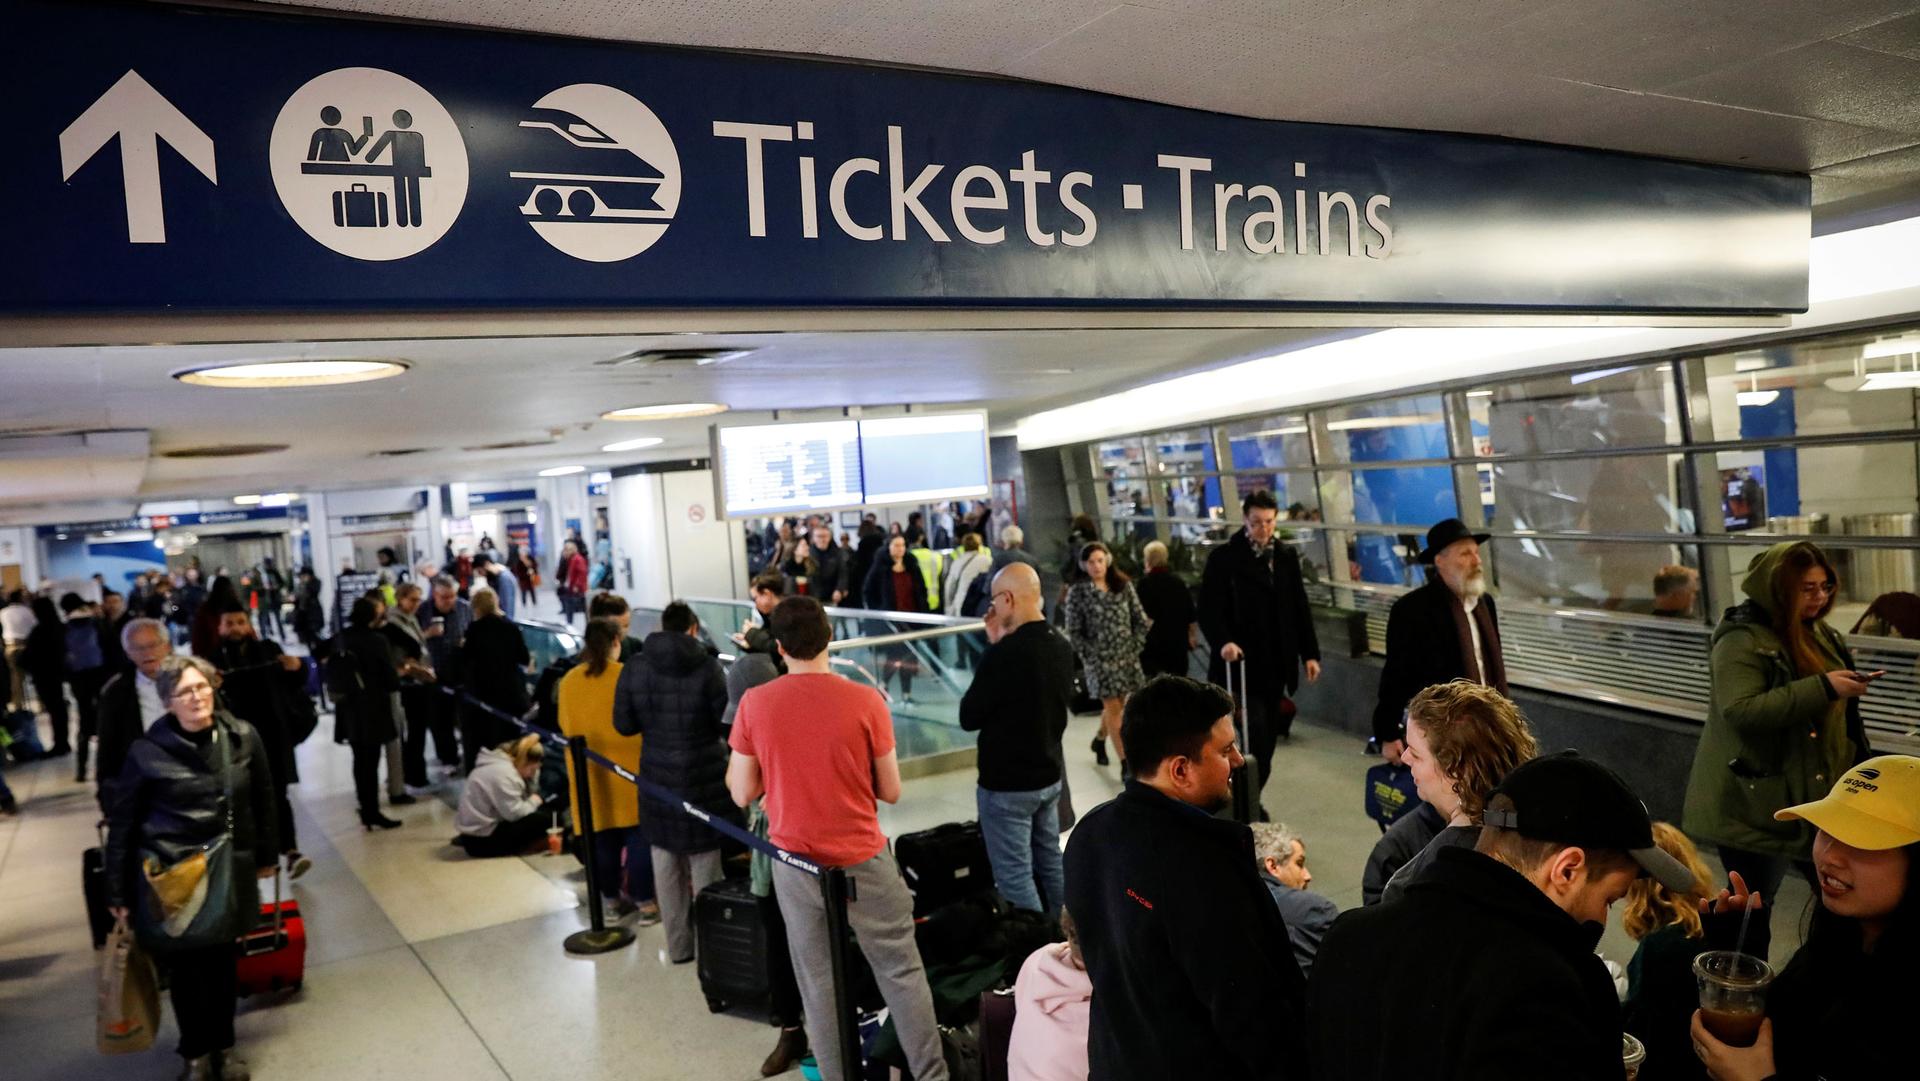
(200, 690)
(994, 600)
(1817, 589)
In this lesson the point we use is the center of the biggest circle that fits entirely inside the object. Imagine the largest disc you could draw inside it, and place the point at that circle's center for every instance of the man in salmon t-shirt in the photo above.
(820, 748)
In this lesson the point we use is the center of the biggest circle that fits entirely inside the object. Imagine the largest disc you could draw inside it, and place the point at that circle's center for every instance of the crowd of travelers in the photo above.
(1187, 937)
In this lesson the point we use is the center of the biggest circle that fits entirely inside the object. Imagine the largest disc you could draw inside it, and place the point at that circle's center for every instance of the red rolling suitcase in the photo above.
(273, 956)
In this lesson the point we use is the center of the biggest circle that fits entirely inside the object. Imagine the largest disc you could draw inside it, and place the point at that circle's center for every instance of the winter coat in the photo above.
(1169, 604)
(1423, 648)
(584, 707)
(1396, 847)
(1180, 937)
(365, 716)
(962, 569)
(495, 793)
(1259, 605)
(493, 664)
(120, 724)
(170, 799)
(1052, 1003)
(878, 593)
(674, 695)
(260, 692)
(826, 572)
(1763, 747)
(1473, 976)
(1308, 917)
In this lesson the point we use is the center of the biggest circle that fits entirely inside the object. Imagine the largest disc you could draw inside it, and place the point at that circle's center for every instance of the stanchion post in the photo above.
(598, 938)
(834, 888)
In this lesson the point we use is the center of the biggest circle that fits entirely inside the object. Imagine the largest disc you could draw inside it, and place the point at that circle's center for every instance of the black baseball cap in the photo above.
(1577, 801)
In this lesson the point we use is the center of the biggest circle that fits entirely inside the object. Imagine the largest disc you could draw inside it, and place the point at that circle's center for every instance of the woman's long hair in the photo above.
(1795, 634)
(1649, 906)
(603, 644)
(1116, 578)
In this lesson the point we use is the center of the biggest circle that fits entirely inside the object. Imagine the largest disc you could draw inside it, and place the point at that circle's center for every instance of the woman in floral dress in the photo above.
(1108, 628)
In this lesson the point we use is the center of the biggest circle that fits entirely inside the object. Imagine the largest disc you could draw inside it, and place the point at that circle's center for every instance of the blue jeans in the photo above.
(1022, 831)
(638, 873)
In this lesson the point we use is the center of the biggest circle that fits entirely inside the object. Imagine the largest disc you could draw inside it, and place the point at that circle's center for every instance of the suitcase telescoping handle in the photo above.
(1237, 690)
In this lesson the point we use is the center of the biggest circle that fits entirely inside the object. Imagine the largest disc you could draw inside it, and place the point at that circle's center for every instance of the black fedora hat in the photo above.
(1445, 533)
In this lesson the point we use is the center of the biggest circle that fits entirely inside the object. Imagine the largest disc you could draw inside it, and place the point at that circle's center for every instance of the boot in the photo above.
(1099, 751)
(787, 1053)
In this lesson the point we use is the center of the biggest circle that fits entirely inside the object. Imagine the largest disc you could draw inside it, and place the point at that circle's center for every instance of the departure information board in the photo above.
(918, 459)
(784, 468)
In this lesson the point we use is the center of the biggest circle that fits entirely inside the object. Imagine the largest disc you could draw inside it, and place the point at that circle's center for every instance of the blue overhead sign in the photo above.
(168, 521)
(168, 158)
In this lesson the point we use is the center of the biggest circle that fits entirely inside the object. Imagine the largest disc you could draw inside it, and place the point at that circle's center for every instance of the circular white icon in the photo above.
(602, 180)
(368, 163)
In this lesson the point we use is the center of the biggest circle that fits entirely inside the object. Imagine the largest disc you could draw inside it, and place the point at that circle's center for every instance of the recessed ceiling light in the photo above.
(291, 373)
(672, 411)
(563, 470)
(247, 500)
(634, 444)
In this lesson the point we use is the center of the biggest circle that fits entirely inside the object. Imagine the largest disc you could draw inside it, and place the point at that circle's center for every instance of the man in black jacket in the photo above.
(1253, 607)
(1485, 970)
(259, 684)
(1021, 694)
(1447, 629)
(130, 702)
(822, 565)
(1193, 974)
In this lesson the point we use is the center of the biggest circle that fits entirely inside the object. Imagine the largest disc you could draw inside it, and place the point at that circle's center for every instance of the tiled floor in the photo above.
(425, 965)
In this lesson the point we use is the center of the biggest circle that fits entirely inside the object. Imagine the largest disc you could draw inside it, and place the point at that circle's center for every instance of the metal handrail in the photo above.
(906, 636)
(837, 612)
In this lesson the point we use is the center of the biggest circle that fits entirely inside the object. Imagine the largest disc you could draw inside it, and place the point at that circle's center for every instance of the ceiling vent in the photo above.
(400, 452)
(225, 450)
(675, 358)
(516, 444)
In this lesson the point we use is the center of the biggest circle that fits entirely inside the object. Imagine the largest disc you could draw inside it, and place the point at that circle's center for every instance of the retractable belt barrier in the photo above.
(835, 887)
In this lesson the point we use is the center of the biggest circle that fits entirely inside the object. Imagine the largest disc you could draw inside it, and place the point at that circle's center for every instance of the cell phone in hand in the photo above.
(1869, 677)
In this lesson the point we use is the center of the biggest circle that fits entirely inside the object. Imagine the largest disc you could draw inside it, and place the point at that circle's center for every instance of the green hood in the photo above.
(1758, 584)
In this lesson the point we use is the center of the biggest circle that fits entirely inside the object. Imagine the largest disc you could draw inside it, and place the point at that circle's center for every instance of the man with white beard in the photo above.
(1445, 630)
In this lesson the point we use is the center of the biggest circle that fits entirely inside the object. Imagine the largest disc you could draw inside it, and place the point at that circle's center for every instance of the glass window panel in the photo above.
(1190, 506)
(1865, 575)
(1270, 442)
(1614, 575)
(1189, 451)
(1395, 430)
(1381, 558)
(1416, 496)
(1859, 383)
(1584, 411)
(1122, 460)
(1848, 488)
(1298, 496)
(1642, 493)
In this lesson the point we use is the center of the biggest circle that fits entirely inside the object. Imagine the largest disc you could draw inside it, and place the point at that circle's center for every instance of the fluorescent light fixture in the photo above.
(670, 411)
(1291, 429)
(1588, 377)
(602, 477)
(563, 470)
(106, 532)
(276, 374)
(59, 536)
(1757, 397)
(1892, 381)
(1407, 420)
(1480, 394)
(278, 499)
(1892, 347)
(247, 500)
(641, 443)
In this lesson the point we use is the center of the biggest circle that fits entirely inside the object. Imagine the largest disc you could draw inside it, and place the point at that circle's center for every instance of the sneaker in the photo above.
(297, 865)
(648, 914)
(619, 908)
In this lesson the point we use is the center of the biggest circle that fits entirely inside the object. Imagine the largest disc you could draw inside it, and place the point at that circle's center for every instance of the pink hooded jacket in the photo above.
(1053, 1000)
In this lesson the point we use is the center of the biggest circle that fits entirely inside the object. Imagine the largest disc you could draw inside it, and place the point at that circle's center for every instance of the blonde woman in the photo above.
(498, 812)
(1661, 990)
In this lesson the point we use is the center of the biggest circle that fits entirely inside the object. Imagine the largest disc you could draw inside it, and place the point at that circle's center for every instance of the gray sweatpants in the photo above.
(882, 920)
(677, 879)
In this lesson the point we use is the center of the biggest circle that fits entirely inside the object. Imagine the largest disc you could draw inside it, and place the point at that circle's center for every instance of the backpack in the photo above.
(979, 596)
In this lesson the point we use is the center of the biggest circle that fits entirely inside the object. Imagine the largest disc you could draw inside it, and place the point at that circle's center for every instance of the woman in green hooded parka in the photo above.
(1784, 722)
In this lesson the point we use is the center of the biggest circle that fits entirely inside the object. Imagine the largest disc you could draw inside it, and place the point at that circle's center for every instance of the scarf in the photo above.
(408, 624)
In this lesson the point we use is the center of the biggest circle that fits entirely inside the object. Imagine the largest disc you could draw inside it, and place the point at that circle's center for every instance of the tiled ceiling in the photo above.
(1828, 87)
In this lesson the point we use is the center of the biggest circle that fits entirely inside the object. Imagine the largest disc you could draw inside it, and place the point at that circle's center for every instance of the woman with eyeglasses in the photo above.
(198, 782)
(1783, 723)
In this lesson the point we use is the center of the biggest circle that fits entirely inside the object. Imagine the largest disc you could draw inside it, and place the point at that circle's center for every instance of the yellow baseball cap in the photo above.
(1876, 806)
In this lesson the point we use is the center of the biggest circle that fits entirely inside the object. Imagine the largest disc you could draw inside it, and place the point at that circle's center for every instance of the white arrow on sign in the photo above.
(135, 112)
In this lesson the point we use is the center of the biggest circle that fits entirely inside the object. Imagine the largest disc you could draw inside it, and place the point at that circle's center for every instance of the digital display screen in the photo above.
(784, 468)
(917, 459)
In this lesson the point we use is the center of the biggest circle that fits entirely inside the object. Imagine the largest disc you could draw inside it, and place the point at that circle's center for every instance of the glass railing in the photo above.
(923, 664)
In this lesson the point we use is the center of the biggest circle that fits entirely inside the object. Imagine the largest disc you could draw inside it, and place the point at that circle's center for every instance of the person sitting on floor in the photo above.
(1053, 999)
(1281, 856)
(497, 815)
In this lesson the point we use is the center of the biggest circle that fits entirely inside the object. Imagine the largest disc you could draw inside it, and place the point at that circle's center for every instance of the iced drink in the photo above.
(1733, 995)
(1632, 1054)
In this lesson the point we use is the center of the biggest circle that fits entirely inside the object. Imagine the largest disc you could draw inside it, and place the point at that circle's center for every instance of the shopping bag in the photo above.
(129, 997)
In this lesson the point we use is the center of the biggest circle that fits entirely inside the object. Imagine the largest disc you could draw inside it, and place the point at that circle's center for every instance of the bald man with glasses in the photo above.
(1019, 702)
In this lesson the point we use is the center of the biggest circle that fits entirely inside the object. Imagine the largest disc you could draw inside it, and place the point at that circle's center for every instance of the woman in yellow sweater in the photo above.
(585, 700)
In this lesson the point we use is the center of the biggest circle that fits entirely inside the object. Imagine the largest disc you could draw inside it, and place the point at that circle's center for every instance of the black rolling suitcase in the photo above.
(93, 883)
(944, 864)
(732, 942)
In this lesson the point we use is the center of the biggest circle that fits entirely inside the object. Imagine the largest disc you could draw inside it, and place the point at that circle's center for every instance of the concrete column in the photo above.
(642, 565)
(326, 562)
